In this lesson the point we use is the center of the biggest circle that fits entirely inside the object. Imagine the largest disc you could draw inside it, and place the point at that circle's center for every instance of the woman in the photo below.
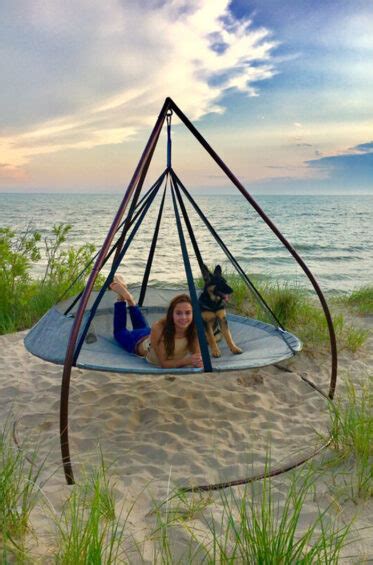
(170, 343)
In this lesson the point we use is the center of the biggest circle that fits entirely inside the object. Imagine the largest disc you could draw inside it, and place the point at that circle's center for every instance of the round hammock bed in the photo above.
(261, 343)
(79, 331)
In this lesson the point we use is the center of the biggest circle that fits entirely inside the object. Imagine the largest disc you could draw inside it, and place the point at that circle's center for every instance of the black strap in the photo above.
(189, 227)
(151, 252)
(192, 291)
(141, 205)
(232, 259)
(169, 142)
(113, 270)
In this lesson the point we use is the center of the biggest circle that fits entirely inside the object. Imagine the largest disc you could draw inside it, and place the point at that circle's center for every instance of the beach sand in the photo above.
(158, 432)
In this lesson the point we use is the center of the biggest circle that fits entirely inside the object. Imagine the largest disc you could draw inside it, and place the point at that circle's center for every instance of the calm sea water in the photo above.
(333, 234)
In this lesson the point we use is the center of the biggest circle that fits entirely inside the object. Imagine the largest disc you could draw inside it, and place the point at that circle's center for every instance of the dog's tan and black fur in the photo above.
(212, 304)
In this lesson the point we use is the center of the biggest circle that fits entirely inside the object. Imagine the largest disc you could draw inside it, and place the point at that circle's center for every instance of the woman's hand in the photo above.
(196, 360)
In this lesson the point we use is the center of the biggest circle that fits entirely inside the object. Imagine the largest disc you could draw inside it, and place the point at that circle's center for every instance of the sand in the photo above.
(158, 432)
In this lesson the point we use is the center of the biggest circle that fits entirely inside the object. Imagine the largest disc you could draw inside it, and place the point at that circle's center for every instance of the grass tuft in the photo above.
(361, 300)
(18, 492)
(352, 435)
(258, 528)
(256, 525)
(89, 530)
(297, 312)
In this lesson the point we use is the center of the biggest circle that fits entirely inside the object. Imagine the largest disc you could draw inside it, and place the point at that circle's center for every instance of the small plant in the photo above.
(351, 428)
(355, 338)
(361, 300)
(178, 510)
(258, 528)
(24, 300)
(89, 531)
(255, 526)
(18, 492)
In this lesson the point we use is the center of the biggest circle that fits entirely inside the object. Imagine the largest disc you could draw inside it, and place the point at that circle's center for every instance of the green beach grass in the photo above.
(89, 529)
(23, 299)
(297, 312)
(360, 300)
(351, 429)
(19, 492)
(250, 525)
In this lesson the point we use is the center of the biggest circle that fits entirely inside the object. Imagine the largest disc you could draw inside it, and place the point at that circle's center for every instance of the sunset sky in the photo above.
(282, 90)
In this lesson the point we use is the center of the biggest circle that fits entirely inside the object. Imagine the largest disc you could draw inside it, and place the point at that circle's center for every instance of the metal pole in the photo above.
(276, 231)
(65, 386)
(136, 196)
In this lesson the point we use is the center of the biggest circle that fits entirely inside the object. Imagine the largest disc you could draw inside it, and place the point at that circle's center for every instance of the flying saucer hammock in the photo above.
(78, 332)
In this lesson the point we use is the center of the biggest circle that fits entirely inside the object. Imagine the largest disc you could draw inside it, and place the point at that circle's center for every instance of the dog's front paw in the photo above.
(216, 352)
(236, 350)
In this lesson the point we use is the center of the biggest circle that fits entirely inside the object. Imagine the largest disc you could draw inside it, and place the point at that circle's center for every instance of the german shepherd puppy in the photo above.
(212, 303)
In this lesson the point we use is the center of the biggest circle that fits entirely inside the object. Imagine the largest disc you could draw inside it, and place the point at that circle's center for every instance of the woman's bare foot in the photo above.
(120, 279)
(119, 286)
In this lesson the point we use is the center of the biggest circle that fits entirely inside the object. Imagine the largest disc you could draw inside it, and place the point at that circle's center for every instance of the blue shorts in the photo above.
(129, 339)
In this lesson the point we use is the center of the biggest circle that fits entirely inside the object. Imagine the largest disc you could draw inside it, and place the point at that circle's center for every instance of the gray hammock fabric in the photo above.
(262, 343)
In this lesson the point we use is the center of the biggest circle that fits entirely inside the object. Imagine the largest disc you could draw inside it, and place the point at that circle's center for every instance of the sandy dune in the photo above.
(155, 429)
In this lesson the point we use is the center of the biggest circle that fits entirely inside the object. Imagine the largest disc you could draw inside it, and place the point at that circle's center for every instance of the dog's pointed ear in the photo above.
(218, 271)
(205, 273)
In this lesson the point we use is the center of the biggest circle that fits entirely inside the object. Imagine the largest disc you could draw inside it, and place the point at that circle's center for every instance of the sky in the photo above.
(281, 89)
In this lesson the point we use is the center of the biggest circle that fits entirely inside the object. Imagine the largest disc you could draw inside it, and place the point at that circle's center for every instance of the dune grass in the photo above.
(89, 529)
(351, 428)
(254, 525)
(360, 300)
(297, 312)
(261, 529)
(259, 523)
(19, 492)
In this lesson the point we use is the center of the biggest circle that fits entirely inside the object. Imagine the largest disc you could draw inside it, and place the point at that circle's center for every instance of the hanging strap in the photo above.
(141, 205)
(227, 252)
(113, 270)
(192, 291)
(189, 227)
(169, 143)
(151, 252)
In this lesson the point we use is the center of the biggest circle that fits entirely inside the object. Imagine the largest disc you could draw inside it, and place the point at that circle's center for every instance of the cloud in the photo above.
(364, 147)
(353, 167)
(88, 73)
(11, 174)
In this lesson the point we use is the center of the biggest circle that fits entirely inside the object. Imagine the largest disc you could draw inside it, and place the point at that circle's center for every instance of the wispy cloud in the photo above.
(352, 167)
(92, 73)
(363, 148)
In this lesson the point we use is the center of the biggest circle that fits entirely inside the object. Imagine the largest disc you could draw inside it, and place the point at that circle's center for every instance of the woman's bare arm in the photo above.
(196, 348)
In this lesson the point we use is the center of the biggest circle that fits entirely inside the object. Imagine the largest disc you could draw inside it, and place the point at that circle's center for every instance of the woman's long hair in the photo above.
(168, 332)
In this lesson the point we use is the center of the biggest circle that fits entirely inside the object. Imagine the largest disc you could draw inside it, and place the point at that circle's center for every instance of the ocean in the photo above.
(332, 233)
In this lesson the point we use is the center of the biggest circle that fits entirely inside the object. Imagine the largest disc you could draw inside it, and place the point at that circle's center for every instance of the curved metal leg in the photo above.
(64, 423)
